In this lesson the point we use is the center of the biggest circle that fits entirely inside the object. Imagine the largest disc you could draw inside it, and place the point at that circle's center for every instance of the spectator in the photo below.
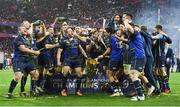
(178, 64)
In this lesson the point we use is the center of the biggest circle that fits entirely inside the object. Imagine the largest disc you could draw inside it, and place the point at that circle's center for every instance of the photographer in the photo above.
(149, 57)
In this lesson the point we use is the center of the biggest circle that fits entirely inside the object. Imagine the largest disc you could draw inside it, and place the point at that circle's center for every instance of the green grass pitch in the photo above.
(172, 99)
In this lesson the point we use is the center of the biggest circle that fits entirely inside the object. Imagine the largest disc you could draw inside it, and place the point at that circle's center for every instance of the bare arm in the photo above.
(108, 50)
(129, 27)
(43, 29)
(54, 22)
(27, 50)
(59, 56)
(50, 46)
(42, 34)
(159, 36)
(121, 38)
(83, 52)
(31, 29)
(83, 39)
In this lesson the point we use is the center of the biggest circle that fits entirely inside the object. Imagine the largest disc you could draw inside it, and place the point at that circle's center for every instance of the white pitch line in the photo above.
(29, 99)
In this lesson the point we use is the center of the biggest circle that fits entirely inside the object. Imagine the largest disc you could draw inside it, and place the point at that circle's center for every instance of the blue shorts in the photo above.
(72, 63)
(138, 64)
(44, 60)
(32, 65)
(24, 65)
(115, 65)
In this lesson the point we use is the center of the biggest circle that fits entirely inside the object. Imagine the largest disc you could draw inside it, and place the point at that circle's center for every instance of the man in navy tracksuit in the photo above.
(149, 57)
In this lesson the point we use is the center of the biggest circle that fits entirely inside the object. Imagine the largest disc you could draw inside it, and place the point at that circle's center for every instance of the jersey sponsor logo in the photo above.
(18, 69)
(125, 84)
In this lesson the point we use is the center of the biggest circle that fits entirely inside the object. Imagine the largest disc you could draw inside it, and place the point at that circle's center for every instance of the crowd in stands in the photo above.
(6, 45)
(19, 10)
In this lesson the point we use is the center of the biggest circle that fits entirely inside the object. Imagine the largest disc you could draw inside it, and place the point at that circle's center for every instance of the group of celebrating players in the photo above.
(122, 49)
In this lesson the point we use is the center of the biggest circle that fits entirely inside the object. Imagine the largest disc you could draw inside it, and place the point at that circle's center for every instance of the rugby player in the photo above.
(70, 46)
(160, 38)
(22, 52)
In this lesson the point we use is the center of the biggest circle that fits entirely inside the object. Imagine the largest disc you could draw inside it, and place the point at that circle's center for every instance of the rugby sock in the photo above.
(138, 88)
(162, 85)
(156, 78)
(44, 78)
(12, 86)
(114, 86)
(64, 82)
(165, 82)
(39, 80)
(33, 84)
(160, 82)
(23, 83)
(148, 85)
(78, 84)
(51, 70)
(117, 86)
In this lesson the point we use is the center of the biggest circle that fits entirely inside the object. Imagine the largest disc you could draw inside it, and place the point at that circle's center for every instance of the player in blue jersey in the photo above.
(22, 54)
(45, 43)
(32, 62)
(70, 46)
(115, 49)
(159, 54)
(136, 43)
(103, 42)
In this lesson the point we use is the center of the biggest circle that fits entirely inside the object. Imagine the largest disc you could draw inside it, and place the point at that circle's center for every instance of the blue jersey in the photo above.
(137, 44)
(40, 45)
(21, 40)
(159, 46)
(70, 47)
(84, 44)
(148, 44)
(34, 40)
(116, 49)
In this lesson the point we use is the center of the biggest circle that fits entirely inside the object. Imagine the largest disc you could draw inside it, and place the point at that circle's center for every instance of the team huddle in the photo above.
(122, 50)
